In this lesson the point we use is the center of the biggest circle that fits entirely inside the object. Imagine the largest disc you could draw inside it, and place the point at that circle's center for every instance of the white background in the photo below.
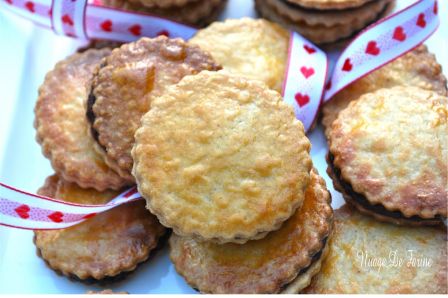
(27, 52)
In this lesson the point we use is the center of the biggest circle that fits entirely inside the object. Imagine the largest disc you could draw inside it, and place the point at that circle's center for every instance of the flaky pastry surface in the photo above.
(61, 125)
(369, 257)
(392, 147)
(267, 265)
(221, 157)
(257, 49)
(103, 246)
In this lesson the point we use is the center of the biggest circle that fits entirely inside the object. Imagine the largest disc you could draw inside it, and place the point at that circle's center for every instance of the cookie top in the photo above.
(259, 266)
(257, 49)
(369, 257)
(61, 125)
(126, 83)
(329, 4)
(109, 243)
(418, 68)
(221, 157)
(391, 146)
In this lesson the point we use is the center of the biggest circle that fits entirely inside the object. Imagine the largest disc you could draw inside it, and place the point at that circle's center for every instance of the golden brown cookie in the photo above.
(61, 126)
(328, 18)
(418, 68)
(106, 245)
(194, 13)
(126, 83)
(369, 257)
(283, 261)
(221, 157)
(391, 148)
(257, 49)
(329, 4)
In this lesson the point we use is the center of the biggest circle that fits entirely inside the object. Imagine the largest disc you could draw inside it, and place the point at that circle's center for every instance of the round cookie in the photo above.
(126, 83)
(329, 4)
(221, 158)
(391, 147)
(283, 261)
(61, 126)
(257, 49)
(328, 18)
(370, 257)
(319, 34)
(418, 68)
(106, 245)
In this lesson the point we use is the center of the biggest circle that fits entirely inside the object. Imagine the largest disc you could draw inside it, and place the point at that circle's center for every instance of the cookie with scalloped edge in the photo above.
(221, 158)
(61, 125)
(371, 257)
(418, 68)
(125, 84)
(255, 48)
(329, 4)
(284, 261)
(328, 18)
(390, 149)
(108, 244)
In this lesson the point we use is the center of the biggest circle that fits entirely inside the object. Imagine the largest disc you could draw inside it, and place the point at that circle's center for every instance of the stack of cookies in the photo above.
(324, 21)
(197, 13)
(222, 160)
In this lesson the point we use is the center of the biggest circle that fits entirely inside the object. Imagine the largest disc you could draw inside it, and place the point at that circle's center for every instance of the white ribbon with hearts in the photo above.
(308, 81)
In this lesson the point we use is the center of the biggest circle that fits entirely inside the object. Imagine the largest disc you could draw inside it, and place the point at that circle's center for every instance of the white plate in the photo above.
(27, 52)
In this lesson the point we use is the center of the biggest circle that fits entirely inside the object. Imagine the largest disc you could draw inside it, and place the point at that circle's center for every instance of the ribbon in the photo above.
(308, 80)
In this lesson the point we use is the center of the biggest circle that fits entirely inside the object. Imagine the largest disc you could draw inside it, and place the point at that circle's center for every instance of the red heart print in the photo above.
(436, 8)
(307, 71)
(347, 65)
(23, 211)
(163, 32)
(309, 49)
(421, 20)
(50, 12)
(66, 19)
(135, 30)
(30, 6)
(399, 34)
(302, 99)
(328, 86)
(87, 216)
(56, 216)
(372, 48)
(9, 1)
(106, 25)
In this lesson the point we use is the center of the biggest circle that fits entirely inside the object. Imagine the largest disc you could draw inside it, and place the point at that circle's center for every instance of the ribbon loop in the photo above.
(68, 17)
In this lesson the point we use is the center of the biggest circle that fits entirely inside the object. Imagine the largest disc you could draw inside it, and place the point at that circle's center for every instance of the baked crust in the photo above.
(221, 157)
(257, 49)
(284, 258)
(165, 3)
(391, 147)
(126, 83)
(357, 236)
(418, 68)
(193, 13)
(106, 245)
(377, 211)
(61, 127)
(319, 34)
(327, 18)
(329, 4)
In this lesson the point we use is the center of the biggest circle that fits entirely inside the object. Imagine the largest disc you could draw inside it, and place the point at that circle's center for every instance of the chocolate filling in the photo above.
(314, 259)
(362, 200)
(91, 99)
